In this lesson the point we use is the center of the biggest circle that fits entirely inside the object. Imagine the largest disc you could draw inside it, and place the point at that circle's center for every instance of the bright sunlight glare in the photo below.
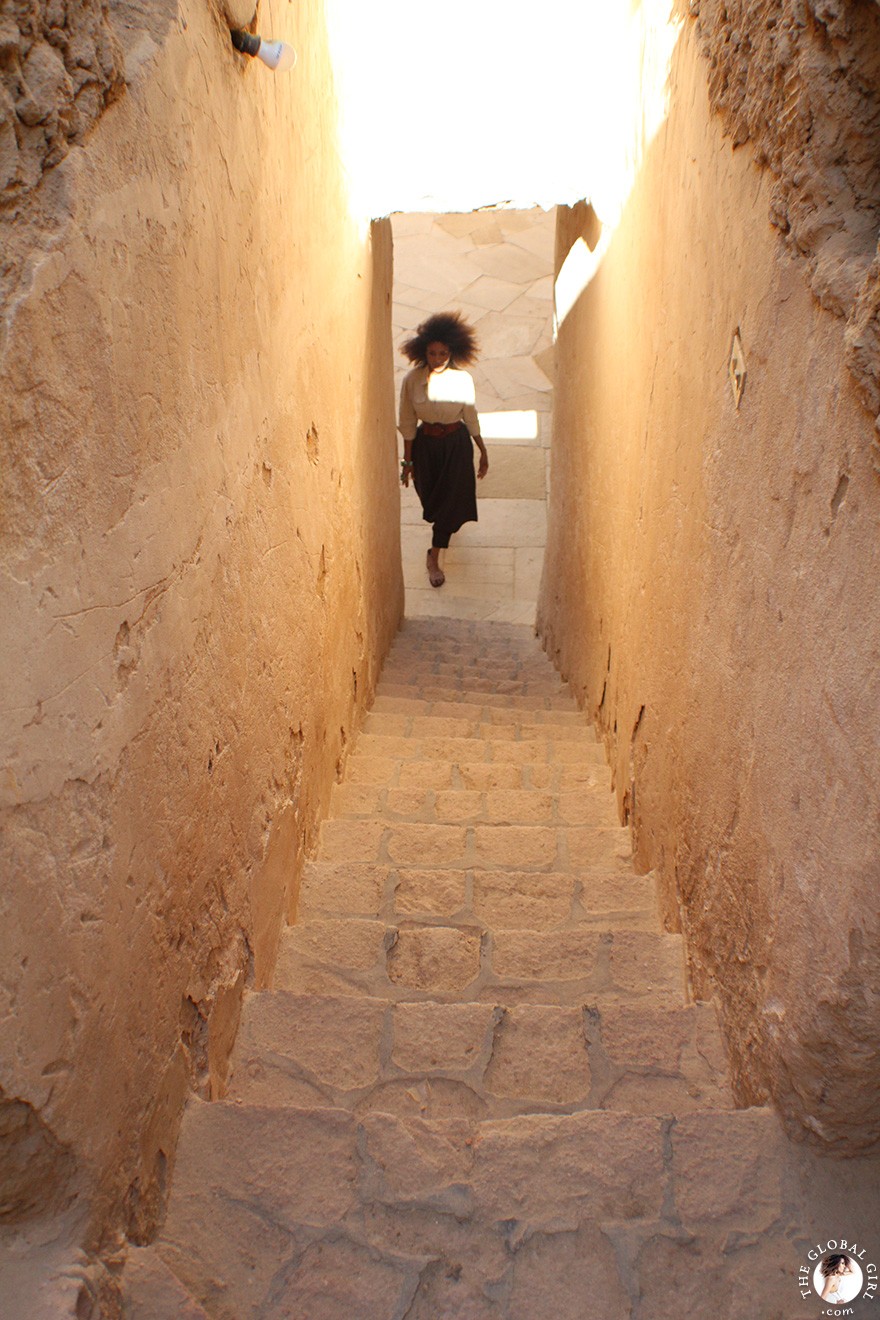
(509, 425)
(446, 108)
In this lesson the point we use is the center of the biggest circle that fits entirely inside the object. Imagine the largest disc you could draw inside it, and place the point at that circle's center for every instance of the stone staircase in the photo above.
(478, 1090)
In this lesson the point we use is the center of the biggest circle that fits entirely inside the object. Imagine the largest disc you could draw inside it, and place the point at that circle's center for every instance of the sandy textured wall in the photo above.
(200, 576)
(711, 589)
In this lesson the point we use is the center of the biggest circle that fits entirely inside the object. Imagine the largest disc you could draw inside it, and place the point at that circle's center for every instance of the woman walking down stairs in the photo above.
(478, 1089)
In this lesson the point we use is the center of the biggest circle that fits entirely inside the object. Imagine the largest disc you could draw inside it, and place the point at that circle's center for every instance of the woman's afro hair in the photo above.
(449, 328)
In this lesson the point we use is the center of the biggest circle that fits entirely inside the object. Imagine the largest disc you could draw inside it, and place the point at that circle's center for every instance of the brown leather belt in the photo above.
(440, 428)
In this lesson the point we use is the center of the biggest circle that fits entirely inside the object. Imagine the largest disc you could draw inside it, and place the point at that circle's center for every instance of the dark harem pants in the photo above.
(443, 474)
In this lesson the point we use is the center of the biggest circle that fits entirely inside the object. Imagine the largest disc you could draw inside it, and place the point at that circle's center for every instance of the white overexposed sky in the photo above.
(453, 107)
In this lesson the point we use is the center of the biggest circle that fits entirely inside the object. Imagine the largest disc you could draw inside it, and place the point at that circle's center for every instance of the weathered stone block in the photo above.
(447, 1292)
(707, 1276)
(416, 1164)
(655, 1093)
(645, 963)
(501, 728)
(578, 753)
(352, 945)
(728, 1169)
(332, 1041)
(450, 1038)
(425, 774)
(351, 840)
(399, 705)
(454, 805)
(434, 893)
(576, 775)
(428, 726)
(458, 710)
(341, 888)
(568, 1276)
(528, 731)
(505, 807)
(385, 725)
(515, 845)
(426, 845)
(516, 753)
(363, 769)
(598, 807)
(648, 1037)
(373, 745)
(437, 958)
(407, 804)
(484, 775)
(601, 892)
(544, 776)
(337, 1279)
(451, 749)
(560, 955)
(540, 1055)
(272, 1082)
(288, 1165)
(480, 1249)
(430, 1096)
(589, 846)
(355, 800)
(150, 1289)
(532, 900)
(559, 1171)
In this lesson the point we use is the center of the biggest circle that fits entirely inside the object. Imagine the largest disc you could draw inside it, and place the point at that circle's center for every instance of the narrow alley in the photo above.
(401, 930)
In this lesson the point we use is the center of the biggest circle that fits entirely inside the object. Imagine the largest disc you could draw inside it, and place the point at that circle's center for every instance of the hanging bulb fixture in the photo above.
(276, 55)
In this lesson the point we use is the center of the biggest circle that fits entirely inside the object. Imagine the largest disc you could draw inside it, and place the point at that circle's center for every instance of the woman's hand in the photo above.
(406, 468)
(484, 462)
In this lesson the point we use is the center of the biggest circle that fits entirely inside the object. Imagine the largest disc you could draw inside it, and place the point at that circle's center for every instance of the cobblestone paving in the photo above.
(479, 1090)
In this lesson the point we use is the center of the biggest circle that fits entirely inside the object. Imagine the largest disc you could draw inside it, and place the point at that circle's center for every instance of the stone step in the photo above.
(512, 729)
(472, 681)
(511, 900)
(487, 847)
(542, 750)
(431, 631)
(442, 640)
(442, 643)
(151, 1291)
(321, 1214)
(429, 691)
(483, 776)
(528, 681)
(495, 664)
(463, 962)
(44, 1272)
(500, 806)
(491, 657)
(440, 1060)
(477, 712)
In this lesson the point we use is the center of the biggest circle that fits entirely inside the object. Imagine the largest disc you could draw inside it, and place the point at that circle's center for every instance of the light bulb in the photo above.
(277, 55)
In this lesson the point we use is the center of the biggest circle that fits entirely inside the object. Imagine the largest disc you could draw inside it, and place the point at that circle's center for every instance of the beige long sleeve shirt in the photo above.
(439, 396)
